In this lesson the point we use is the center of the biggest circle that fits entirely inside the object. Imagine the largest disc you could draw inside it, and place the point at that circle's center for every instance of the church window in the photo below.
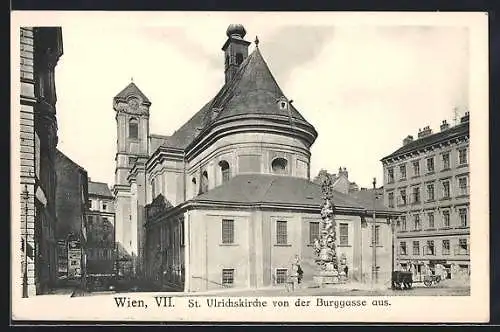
(227, 231)
(281, 232)
(313, 231)
(279, 166)
(239, 59)
(204, 182)
(133, 128)
(225, 171)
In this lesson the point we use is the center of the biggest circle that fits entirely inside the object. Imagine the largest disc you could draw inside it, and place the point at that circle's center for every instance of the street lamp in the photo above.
(25, 195)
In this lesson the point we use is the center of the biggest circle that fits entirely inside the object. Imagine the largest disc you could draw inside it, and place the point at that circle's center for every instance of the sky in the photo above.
(363, 86)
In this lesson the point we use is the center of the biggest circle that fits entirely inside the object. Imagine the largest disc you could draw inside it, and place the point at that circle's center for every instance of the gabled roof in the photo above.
(283, 190)
(252, 91)
(453, 132)
(99, 189)
(130, 90)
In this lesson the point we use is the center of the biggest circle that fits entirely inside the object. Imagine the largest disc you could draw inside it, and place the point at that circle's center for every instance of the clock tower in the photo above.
(132, 122)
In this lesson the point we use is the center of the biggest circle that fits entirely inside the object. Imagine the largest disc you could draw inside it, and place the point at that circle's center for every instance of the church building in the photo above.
(227, 199)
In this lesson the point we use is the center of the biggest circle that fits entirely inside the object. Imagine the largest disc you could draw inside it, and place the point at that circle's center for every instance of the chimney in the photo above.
(444, 125)
(465, 118)
(424, 132)
(408, 139)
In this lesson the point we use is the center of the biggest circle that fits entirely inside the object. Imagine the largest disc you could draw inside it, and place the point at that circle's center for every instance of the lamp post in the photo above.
(25, 195)
(374, 238)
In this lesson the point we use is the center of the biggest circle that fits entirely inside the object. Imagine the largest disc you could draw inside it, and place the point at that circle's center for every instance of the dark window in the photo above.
(416, 168)
(416, 195)
(313, 231)
(281, 276)
(225, 171)
(416, 219)
(446, 218)
(104, 207)
(430, 219)
(446, 189)
(462, 156)
(227, 277)
(430, 192)
(281, 232)
(462, 185)
(463, 217)
(416, 248)
(133, 128)
(402, 171)
(402, 248)
(430, 248)
(403, 223)
(239, 58)
(402, 193)
(430, 165)
(390, 198)
(227, 231)
(390, 175)
(344, 234)
(279, 165)
(463, 247)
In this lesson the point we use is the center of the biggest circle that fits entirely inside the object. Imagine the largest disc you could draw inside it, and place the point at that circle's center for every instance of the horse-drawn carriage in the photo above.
(404, 280)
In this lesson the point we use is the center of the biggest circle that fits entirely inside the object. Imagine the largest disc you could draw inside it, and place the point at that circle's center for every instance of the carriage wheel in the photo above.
(428, 283)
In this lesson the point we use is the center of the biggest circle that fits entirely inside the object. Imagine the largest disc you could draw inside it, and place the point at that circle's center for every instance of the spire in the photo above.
(235, 49)
(256, 41)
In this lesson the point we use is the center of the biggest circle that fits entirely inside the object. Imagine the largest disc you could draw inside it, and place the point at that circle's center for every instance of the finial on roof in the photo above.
(256, 41)
(132, 79)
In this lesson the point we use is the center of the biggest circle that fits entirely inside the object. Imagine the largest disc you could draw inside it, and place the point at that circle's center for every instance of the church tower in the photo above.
(132, 123)
(235, 49)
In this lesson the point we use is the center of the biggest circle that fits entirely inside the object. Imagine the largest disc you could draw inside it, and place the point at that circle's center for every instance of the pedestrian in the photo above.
(346, 271)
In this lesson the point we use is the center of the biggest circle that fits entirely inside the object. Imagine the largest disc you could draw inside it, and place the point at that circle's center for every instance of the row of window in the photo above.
(92, 204)
(280, 276)
(429, 163)
(431, 221)
(282, 232)
(429, 248)
(445, 193)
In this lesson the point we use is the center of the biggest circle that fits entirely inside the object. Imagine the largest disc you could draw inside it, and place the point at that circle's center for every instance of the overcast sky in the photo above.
(363, 87)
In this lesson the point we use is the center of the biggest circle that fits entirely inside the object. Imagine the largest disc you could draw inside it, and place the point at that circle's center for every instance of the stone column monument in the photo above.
(325, 250)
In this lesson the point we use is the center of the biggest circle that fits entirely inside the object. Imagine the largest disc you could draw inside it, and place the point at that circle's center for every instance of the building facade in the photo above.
(41, 48)
(226, 200)
(71, 213)
(427, 180)
(102, 253)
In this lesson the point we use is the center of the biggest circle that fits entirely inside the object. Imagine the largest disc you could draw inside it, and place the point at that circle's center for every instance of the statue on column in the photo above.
(324, 247)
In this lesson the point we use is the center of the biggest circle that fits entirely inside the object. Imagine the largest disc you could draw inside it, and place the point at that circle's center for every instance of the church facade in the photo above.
(226, 200)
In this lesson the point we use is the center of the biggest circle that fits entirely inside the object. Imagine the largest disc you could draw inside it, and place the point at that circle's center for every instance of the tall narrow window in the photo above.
(416, 168)
(430, 192)
(204, 182)
(402, 194)
(227, 231)
(402, 226)
(446, 189)
(463, 247)
(430, 165)
(416, 248)
(225, 171)
(462, 185)
(313, 231)
(402, 171)
(446, 218)
(344, 234)
(390, 175)
(239, 59)
(194, 186)
(462, 156)
(463, 217)
(430, 219)
(402, 248)
(430, 247)
(416, 195)
(390, 198)
(133, 128)
(416, 222)
(446, 161)
(279, 166)
(377, 235)
(446, 247)
(281, 232)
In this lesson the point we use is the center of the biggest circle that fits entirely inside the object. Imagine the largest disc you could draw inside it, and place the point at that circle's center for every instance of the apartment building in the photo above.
(427, 180)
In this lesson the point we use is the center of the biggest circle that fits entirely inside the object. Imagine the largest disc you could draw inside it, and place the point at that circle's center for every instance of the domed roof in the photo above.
(236, 29)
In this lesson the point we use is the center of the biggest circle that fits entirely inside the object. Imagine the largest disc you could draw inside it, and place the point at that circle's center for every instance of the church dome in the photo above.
(236, 29)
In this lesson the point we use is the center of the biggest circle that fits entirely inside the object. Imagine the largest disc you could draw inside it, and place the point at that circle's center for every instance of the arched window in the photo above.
(195, 188)
(204, 182)
(133, 128)
(225, 170)
(239, 59)
(279, 166)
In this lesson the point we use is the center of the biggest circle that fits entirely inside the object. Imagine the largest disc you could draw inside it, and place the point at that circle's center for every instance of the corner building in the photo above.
(427, 180)
(226, 200)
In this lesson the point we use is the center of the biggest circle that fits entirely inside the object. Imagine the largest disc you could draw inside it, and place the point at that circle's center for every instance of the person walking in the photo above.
(346, 271)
